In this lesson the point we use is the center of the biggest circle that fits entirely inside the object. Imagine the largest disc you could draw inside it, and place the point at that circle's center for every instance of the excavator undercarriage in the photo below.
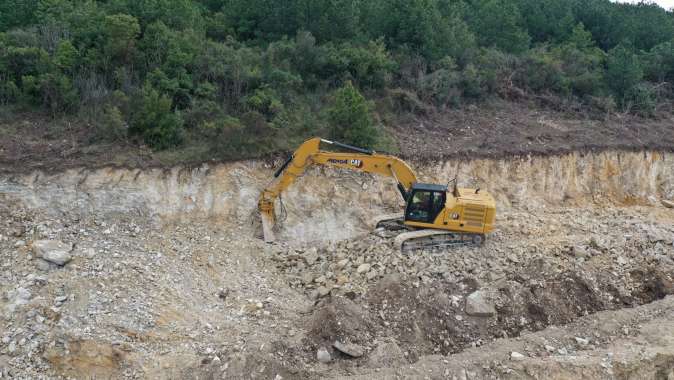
(408, 239)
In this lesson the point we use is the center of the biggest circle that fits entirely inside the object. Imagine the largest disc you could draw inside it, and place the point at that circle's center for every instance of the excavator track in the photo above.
(407, 239)
(430, 239)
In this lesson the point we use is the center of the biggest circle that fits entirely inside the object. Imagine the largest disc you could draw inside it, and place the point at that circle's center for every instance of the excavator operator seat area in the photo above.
(425, 202)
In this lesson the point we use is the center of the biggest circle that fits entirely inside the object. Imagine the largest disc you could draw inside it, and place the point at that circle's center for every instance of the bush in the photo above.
(543, 72)
(153, 119)
(111, 127)
(642, 99)
(9, 92)
(473, 83)
(442, 86)
(265, 101)
(623, 72)
(351, 118)
(53, 91)
(659, 62)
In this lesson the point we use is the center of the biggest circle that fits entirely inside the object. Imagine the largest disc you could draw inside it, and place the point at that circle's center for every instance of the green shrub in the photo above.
(351, 118)
(473, 83)
(111, 127)
(153, 119)
(53, 91)
(623, 72)
(265, 101)
(543, 72)
(9, 92)
(659, 62)
(442, 86)
(642, 99)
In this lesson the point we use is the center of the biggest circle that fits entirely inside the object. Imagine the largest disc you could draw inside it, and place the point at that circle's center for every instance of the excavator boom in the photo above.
(309, 153)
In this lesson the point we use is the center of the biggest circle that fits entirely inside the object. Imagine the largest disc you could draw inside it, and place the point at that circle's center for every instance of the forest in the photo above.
(245, 78)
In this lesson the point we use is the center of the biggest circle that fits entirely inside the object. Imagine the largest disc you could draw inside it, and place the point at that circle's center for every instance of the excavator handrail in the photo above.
(309, 153)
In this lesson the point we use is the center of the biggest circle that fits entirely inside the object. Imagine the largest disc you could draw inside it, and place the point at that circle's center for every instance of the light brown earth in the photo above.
(175, 301)
(169, 280)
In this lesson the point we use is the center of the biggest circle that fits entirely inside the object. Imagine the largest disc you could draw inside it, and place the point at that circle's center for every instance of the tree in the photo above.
(152, 118)
(121, 31)
(582, 62)
(499, 23)
(623, 71)
(15, 13)
(659, 62)
(547, 20)
(351, 118)
(425, 27)
(65, 56)
(51, 90)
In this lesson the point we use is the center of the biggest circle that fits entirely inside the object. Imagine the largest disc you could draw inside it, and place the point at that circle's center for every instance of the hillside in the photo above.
(231, 79)
(495, 129)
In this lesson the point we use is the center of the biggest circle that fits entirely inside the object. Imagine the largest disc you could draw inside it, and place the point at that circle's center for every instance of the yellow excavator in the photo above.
(434, 215)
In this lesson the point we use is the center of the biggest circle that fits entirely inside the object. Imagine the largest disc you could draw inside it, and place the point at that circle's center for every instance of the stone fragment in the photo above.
(580, 252)
(311, 256)
(17, 231)
(363, 268)
(516, 356)
(323, 356)
(353, 350)
(386, 355)
(323, 291)
(53, 251)
(668, 204)
(307, 278)
(582, 341)
(372, 275)
(478, 305)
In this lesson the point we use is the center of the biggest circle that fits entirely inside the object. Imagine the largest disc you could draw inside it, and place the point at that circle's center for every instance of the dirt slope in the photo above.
(500, 129)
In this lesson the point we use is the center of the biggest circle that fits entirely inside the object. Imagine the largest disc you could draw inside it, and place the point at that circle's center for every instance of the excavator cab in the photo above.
(425, 202)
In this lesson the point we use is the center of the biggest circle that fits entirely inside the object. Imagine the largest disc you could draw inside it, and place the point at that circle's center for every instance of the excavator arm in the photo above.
(309, 153)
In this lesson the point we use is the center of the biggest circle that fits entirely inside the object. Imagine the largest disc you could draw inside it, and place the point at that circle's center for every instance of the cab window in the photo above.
(420, 206)
(424, 206)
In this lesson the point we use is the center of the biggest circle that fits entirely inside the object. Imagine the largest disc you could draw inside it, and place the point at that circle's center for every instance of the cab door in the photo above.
(424, 206)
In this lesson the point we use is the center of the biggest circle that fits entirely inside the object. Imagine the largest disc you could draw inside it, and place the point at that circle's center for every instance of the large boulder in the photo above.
(53, 251)
(479, 305)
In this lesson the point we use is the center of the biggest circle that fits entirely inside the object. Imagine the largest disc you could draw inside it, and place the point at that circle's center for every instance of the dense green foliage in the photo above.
(350, 118)
(241, 76)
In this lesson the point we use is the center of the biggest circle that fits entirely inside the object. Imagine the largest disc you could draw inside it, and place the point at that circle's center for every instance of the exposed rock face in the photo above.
(208, 300)
(326, 204)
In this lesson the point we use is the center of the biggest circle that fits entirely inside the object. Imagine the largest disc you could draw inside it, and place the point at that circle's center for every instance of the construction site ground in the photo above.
(116, 266)
(577, 293)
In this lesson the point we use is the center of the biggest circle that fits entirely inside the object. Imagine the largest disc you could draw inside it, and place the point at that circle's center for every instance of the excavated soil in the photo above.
(167, 279)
